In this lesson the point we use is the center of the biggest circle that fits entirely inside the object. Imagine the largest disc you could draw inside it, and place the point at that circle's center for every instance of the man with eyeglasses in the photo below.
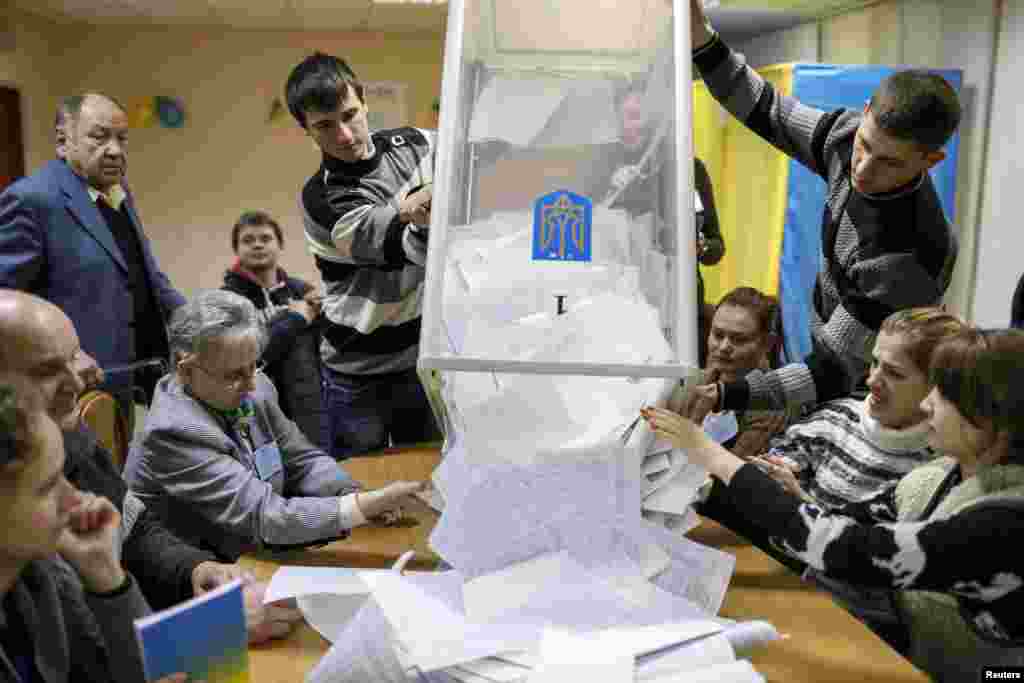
(220, 463)
(38, 342)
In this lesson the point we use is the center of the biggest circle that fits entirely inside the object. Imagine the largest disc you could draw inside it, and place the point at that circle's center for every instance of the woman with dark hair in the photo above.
(943, 538)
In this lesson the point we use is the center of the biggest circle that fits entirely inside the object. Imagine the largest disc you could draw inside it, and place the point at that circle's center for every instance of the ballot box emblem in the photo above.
(562, 223)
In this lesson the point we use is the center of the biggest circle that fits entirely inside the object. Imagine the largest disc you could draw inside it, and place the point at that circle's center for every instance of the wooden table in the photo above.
(823, 642)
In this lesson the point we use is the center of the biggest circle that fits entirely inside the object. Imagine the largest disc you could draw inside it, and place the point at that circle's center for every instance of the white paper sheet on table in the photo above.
(524, 659)
(330, 615)
(365, 652)
(686, 656)
(290, 582)
(738, 671)
(698, 572)
(435, 637)
(497, 670)
(566, 656)
(508, 589)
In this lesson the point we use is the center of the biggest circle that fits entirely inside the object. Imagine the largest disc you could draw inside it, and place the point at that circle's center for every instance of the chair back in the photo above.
(104, 416)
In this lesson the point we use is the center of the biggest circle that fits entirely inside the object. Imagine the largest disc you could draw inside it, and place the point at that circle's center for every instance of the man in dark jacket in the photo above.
(38, 340)
(288, 308)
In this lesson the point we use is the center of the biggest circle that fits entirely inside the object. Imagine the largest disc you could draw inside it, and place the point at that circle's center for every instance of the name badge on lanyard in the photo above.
(268, 460)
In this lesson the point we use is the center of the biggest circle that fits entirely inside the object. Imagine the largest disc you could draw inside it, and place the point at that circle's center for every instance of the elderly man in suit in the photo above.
(70, 234)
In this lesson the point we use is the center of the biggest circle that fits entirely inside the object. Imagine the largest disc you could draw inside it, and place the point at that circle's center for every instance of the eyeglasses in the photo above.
(237, 378)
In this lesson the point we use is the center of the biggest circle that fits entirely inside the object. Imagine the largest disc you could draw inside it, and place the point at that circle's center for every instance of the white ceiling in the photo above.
(734, 18)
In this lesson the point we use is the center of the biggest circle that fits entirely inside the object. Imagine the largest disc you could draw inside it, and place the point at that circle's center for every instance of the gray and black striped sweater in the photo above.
(882, 253)
(371, 263)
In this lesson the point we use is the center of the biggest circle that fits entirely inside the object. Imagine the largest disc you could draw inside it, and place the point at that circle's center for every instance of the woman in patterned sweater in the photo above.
(850, 449)
(943, 539)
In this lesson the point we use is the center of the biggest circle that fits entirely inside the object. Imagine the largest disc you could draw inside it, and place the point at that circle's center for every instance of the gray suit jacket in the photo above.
(190, 469)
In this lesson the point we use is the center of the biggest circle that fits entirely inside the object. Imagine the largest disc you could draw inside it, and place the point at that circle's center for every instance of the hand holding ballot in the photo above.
(689, 436)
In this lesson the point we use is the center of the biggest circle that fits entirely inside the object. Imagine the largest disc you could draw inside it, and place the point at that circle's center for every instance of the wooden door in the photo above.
(12, 149)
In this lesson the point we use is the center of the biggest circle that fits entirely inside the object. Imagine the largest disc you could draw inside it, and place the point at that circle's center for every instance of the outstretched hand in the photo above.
(384, 503)
(687, 435)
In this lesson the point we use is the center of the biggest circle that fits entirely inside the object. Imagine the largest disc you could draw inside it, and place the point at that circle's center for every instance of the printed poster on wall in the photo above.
(387, 103)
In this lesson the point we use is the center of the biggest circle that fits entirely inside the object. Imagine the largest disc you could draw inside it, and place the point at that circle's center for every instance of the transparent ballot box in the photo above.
(564, 224)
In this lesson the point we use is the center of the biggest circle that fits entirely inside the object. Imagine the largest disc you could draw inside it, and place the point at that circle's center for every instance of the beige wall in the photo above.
(192, 183)
(29, 66)
(930, 33)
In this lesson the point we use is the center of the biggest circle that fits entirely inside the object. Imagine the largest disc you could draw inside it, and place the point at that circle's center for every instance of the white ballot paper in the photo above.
(567, 656)
(364, 653)
(291, 582)
(687, 656)
(738, 671)
(330, 615)
(495, 669)
(432, 634)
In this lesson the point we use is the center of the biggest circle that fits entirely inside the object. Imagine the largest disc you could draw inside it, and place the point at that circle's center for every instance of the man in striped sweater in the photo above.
(886, 242)
(366, 212)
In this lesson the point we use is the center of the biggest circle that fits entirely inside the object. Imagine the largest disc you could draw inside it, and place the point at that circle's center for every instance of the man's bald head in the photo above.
(71, 107)
(39, 341)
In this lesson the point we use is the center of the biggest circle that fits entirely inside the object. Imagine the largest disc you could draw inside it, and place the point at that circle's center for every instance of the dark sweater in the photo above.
(160, 561)
(65, 633)
(881, 253)
(964, 555)
(147, 326)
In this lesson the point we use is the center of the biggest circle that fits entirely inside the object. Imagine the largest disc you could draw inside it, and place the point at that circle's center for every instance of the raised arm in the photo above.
(794, 128)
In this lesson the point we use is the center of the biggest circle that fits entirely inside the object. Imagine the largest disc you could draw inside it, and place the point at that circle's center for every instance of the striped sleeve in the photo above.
(794, 128)
(350, 227)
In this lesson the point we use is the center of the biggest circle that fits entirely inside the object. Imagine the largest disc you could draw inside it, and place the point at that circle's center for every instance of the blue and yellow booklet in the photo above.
(205, 637)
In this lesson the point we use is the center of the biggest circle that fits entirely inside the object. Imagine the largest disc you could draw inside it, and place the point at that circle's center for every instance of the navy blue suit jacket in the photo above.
(55, 244)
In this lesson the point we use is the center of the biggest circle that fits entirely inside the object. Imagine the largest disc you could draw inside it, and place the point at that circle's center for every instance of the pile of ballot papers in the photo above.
(391, 627)
(562, 517)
